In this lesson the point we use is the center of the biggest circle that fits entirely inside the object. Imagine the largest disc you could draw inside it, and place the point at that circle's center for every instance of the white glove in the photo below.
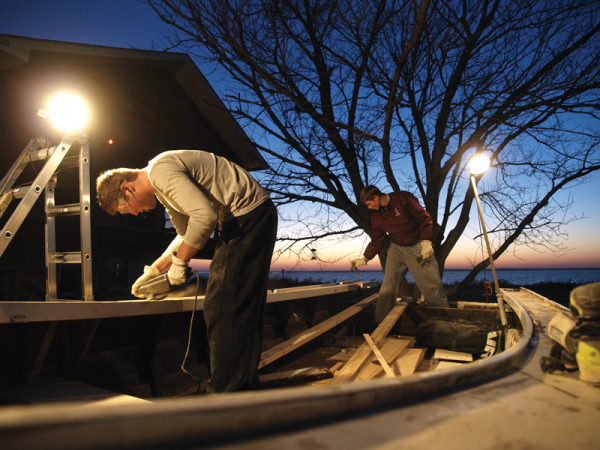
(149, 273)
(356, 263)
(426, 249)
(178, 271)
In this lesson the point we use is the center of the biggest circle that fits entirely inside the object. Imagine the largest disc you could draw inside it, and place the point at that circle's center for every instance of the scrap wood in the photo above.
(390, 351)
(379, 356)
(408, 361)
(286, 375)
(452, 356)
(361, 357)
(286, 347)
(447, 365)
(294, 377)
(337, 366)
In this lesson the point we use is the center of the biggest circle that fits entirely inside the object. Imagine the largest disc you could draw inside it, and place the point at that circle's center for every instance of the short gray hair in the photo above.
(108, 187)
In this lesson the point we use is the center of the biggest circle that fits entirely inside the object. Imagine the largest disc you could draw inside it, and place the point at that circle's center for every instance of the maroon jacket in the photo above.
(406, 222)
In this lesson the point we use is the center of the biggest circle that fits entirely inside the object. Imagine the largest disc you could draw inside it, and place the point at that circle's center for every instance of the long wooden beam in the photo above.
(291, 344)
(362, 356)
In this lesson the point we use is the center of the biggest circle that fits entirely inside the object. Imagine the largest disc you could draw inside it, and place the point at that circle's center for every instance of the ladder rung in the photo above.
(64, 257)
(64, 210)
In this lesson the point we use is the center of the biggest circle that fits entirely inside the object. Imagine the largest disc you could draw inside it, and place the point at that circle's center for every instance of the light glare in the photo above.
(68, 112)
(479, 164)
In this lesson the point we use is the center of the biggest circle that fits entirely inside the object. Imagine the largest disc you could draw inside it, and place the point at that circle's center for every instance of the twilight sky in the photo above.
(129, 23)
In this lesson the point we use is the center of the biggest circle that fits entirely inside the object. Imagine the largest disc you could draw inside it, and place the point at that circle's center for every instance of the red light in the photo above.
(110, 141)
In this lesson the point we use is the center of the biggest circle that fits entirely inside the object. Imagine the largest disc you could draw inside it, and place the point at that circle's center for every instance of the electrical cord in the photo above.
(187, 350)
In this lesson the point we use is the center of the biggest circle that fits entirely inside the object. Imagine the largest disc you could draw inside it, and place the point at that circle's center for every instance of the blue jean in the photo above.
(401, 259)
(236, 296)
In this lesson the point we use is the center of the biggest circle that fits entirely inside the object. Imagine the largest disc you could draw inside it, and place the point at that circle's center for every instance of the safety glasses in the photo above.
(123, 204)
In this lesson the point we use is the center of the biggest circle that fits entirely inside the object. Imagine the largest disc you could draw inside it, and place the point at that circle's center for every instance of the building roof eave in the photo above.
(15, 51)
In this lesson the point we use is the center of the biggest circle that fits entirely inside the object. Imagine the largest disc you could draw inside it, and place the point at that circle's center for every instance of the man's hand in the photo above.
(178, 271)
(149, 273)
(426, 249)
(356, 263)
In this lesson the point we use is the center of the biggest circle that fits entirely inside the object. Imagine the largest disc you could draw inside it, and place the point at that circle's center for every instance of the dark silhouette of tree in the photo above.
(339, 94)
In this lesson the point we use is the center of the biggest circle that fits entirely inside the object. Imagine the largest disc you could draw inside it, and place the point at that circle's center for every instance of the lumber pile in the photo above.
(380, 356)
(286, 347)
(359, 366)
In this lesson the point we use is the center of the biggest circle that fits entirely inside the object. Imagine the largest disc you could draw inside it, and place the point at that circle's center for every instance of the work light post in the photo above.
(478, 165)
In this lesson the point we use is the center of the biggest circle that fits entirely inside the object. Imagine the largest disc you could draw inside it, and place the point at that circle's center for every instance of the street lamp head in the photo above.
(68, 112)
(479, 164)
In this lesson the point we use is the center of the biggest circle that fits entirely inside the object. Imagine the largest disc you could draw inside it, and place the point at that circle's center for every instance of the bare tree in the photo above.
(339, 94)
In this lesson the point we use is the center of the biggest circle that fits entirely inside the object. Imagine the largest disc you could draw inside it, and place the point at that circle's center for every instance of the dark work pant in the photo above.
(236, 295)
(401, 259)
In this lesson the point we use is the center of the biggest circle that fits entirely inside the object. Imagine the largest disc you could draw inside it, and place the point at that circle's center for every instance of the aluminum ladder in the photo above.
(38, 149)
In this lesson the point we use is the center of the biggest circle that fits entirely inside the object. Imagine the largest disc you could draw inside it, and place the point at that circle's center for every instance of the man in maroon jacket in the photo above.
(410, 228)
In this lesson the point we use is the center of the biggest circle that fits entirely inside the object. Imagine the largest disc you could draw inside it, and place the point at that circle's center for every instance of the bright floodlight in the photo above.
(479, 164)
(68, 112)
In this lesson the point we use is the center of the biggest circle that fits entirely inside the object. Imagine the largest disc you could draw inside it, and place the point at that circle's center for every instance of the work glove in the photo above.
(178, 272)
(149, 273)
(426, 249)
(356, 263)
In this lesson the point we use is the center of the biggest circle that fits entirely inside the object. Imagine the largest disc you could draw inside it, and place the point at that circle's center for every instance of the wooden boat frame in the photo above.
(239, 415)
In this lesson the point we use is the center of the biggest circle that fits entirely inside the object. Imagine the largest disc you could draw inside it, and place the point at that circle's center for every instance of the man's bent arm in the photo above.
(184, 253)
(377, 237)
(162, 264)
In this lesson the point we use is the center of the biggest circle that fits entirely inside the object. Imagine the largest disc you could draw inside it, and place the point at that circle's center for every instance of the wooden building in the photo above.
(140, 103)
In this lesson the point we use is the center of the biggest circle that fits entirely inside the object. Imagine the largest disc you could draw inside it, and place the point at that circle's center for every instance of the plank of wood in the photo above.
(286, 347)
(379, 356)
(361, 357)
(447, 365)
(337, 366)
(452, 356)
(295, 377)
(390, 351)
(289, 374)
(408, 361)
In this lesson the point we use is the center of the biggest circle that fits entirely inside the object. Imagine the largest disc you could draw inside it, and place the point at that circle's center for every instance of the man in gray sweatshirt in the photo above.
(200, 190)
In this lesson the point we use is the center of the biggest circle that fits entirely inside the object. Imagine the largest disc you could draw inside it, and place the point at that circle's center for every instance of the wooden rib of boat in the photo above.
(456, 407)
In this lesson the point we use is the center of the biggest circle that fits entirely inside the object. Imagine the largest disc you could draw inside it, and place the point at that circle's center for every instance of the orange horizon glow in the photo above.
(528, 259)
(581, 240)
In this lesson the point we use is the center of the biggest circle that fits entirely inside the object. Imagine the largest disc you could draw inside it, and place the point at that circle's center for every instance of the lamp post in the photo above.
(478, 165)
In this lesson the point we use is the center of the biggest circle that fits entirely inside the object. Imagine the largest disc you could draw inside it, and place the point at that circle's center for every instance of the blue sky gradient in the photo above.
(130, 23)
